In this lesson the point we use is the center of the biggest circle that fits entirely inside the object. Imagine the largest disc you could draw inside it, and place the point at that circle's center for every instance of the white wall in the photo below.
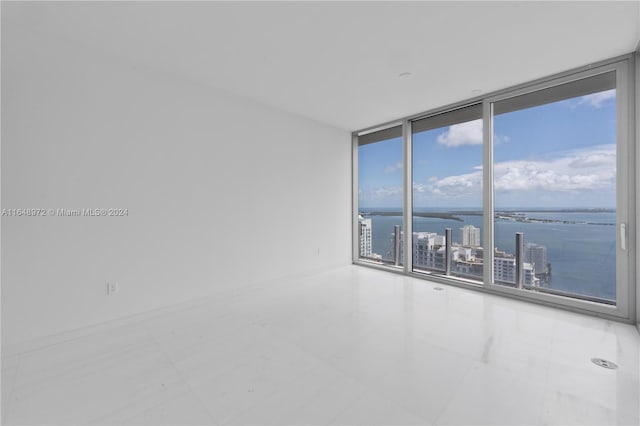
(637, 112)
(221, 192)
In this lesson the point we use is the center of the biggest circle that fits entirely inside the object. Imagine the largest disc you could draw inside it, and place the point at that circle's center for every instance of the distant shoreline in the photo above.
(506, 215)
(436, 215)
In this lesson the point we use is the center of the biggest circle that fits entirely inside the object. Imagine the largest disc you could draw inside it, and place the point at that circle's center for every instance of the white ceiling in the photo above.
(339, 62)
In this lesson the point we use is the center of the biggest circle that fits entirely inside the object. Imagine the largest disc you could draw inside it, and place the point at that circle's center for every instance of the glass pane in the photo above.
(555, 188)
(447, 193)
(380, 175)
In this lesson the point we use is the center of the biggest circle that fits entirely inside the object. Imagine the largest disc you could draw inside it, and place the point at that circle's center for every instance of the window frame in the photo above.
(626, 287)
(455, 112)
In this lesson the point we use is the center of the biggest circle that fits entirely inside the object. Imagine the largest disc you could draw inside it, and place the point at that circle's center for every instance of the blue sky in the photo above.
(556, 155)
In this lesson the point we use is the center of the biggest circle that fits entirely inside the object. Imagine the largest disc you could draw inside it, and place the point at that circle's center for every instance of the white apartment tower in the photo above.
(504, 270)
(470, 236)
(428, 250)
(536, 255)
(366, 249)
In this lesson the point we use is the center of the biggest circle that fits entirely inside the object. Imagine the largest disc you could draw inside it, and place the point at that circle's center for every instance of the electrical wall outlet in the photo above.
(112, 288)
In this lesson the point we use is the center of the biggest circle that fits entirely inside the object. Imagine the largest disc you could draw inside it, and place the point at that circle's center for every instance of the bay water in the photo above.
(582, 255)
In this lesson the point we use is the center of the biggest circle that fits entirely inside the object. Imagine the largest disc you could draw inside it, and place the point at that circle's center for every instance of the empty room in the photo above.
(320, 213)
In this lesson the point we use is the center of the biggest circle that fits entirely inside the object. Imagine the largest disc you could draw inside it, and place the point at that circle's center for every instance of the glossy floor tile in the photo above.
(349, 346)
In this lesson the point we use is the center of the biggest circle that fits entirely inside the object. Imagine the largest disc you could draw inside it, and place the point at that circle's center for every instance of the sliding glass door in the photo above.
(447, 193)
(528, 192)
(554, 181)
(380, 196)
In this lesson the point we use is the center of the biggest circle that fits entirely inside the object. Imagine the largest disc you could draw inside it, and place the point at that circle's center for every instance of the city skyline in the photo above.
(429, 252)
(573, 251)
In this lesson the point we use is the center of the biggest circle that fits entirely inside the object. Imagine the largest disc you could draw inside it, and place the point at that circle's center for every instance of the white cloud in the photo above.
(469, 133)
(566, 172)
(596, 99)
(394, 167)
(419, 187)
(454, 186)
(499, 139)
(579, 170)
(571, 171)
(380, 193)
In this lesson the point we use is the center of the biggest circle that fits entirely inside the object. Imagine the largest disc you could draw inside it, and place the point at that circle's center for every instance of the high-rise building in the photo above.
(536, 255)
(428, 250)
(470, 236)
(504, 267)
(528, 275)
(366, 249)
(504, 270)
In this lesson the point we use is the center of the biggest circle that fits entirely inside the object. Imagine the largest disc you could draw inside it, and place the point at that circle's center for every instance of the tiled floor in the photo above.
(349, 346)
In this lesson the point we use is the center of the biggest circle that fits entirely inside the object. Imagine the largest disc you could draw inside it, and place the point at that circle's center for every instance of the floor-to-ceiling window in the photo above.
(554, 183)
(380, 196)
(536, 181)
(447, 193)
